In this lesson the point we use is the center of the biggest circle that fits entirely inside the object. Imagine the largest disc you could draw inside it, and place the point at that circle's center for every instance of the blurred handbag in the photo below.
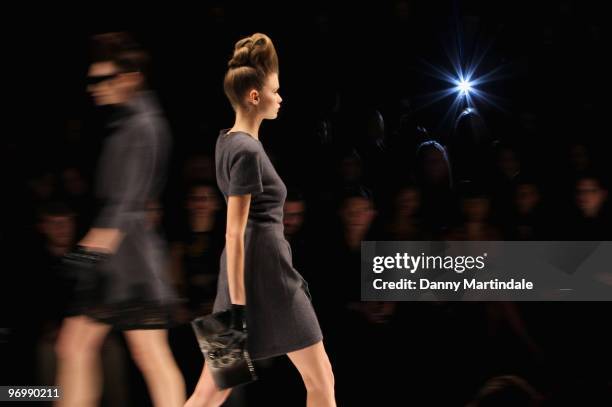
(224, 349)
(82, 268)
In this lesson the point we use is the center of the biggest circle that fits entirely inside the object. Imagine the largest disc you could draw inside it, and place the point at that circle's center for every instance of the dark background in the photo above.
(339, 64)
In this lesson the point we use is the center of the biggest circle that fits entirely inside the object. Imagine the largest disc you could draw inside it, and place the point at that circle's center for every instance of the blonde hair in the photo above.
(253, 60)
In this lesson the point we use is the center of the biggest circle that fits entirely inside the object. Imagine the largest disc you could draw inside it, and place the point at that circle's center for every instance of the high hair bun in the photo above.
(255, 51)
(242, 54)
(253, 60)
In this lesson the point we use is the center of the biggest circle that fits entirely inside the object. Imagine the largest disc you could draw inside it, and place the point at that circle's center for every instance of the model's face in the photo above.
(108, 86)
(267, 101)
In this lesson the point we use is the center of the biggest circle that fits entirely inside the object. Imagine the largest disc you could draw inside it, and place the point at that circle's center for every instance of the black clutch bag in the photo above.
(82, 268)
(224, 350)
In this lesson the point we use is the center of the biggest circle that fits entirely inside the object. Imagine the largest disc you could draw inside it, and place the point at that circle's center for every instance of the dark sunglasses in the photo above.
(94, 80)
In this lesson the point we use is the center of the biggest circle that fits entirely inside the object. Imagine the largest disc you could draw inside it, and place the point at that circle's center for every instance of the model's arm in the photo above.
(237, 215)
(131, 187)
(244, 181)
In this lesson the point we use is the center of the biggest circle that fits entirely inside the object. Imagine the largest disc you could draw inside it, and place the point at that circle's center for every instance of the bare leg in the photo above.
(152, 355)
(206, 393)
(78, 361)
(316, 371)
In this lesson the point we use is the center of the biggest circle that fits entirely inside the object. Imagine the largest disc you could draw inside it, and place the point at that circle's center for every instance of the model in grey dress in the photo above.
(280, 316)
(131, 173)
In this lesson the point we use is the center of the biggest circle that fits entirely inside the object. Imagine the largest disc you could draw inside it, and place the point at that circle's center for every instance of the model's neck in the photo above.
(247, 123)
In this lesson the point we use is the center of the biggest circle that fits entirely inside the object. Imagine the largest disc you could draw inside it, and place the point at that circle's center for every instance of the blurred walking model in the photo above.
(257, 280)
(137, 296)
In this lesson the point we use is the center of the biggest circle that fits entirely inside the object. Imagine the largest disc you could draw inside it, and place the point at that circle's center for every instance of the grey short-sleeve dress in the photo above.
(280, 316)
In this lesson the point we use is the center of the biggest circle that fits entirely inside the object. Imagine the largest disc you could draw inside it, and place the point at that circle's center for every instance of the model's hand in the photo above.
(102, 240)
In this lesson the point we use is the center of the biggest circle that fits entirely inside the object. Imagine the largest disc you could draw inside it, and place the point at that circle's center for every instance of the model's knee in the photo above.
(154, 358)
(322, 382)
(147, 359)
(71, 347)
